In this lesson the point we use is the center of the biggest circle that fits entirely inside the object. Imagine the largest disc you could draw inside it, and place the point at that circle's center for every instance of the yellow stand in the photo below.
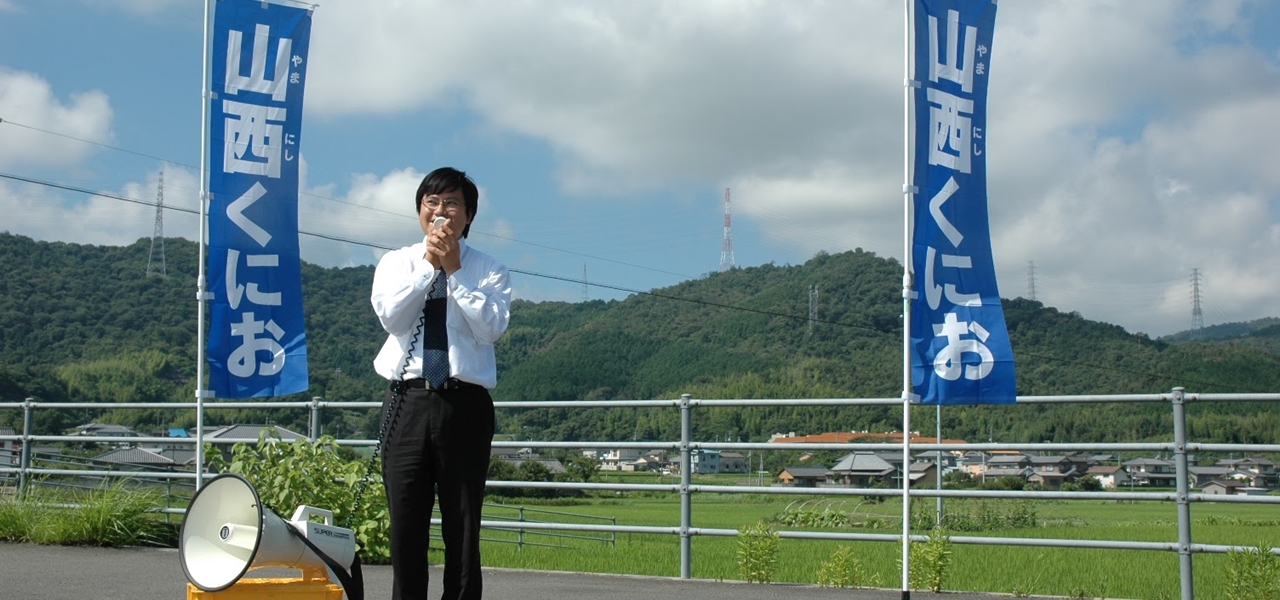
(271, 589)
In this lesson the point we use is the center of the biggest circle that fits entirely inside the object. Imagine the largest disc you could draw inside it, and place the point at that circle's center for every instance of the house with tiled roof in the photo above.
(862, 469)
(804, 476)
(1151, 472)
(1110, 476)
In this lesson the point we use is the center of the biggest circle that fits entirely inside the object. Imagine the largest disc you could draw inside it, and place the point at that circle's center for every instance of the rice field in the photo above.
(1020, 571)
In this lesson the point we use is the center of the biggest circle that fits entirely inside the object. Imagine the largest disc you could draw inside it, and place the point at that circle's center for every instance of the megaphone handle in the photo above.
(304, 513)
(354, 586)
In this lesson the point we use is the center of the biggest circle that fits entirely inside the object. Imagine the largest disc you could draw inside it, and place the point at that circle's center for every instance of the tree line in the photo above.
(86, 323)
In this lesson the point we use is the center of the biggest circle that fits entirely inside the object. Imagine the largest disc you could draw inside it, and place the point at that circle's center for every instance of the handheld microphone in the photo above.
(438, 222)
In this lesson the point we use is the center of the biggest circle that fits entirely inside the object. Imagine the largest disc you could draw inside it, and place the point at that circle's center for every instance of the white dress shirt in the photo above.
(479, 308)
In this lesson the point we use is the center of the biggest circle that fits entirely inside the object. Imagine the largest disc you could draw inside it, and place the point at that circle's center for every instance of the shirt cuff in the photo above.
(421, 271)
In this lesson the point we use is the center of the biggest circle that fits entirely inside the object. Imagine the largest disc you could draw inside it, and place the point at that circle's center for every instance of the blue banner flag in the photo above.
(257, 346)
(960, 351)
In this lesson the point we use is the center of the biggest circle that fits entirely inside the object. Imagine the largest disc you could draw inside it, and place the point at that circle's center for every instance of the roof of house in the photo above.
(182, 456)
(1007, 472)
(862, 462)
(1229, 484)
(1047, 460)
(134, 456)
(1137, 462)
(1209, 470)
(1104, 470)
(105, 429)
(1052, 475)
(1007, 459)
(253, 432)
(1262, 462)
(799, 472)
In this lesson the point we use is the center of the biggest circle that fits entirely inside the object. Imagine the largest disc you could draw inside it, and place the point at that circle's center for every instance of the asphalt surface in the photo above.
(31, 572)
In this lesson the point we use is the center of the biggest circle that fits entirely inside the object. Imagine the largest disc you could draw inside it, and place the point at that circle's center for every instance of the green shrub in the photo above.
(1253, 574)
(17, 519)
(843, 569)
(929, 561)
(113, 515)
(287, 475)
(758, 552)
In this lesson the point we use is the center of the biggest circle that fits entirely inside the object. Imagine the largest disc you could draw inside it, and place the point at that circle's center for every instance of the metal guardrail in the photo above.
(1179, 447)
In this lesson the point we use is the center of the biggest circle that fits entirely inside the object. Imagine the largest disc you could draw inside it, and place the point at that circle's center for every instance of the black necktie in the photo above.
(435, 339)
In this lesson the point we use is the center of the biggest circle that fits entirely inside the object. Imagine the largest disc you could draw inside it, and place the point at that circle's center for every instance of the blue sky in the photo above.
(1130, 141)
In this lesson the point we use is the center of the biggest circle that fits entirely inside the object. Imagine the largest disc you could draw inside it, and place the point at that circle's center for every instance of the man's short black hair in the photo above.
(448, 179)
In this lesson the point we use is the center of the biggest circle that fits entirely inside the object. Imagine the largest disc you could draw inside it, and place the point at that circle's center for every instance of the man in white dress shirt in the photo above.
(443, 305)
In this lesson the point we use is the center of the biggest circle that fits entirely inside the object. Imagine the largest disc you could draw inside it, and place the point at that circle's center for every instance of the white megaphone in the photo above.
(228, 532)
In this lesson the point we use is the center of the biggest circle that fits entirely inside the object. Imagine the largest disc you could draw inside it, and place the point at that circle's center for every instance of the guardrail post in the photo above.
(24, 462)
(686, 479)
(520, 532)
(1178, 399)
(315, 418)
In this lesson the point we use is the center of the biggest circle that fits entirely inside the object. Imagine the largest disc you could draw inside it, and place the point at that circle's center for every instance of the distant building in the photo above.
(1259, 472)
(804, 476)
(704, 462)
(250, 433)
(733, 462)
(121, 458)
(1151, 472)
(1050, 472)
(861, 470)
(1110, 476)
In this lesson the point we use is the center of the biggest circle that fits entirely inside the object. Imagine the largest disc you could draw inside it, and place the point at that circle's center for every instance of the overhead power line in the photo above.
(325, 198)
(336, 238)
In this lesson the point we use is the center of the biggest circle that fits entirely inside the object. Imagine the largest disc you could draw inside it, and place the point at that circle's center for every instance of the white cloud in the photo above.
(1128, 143)
(1096, 107)
(27, 102)
(47, 214)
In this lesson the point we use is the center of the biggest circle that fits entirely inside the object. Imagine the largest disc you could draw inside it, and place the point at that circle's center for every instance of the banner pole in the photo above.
(201, 293)
(906, 303)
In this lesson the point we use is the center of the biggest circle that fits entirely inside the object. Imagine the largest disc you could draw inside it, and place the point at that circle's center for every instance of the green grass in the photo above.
(109, 516)
(1007, 569)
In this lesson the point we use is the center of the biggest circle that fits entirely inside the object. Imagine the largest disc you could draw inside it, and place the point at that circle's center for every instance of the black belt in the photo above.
(452, 383)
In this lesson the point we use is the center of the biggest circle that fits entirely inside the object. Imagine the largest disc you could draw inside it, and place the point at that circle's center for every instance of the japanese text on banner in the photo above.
(257, 345)
(960, 351)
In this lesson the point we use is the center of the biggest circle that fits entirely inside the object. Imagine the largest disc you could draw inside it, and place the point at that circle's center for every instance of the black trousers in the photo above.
(438, 444)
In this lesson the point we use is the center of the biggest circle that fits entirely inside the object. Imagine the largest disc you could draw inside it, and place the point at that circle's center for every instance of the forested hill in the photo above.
(86, 323)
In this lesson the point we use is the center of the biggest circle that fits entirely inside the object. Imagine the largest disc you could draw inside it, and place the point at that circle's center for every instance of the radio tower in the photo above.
(813, 305)
(1031, 280)
(1197, 316)
(155, 262)
(726, 249)
(585, 294)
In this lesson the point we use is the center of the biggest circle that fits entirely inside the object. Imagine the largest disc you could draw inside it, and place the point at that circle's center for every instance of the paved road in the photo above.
(30, 572)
